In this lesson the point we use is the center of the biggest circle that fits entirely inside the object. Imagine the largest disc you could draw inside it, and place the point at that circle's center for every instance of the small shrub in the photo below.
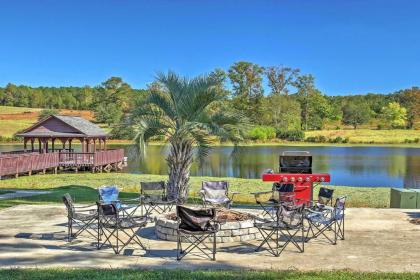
(317, 139)
(381, 126)
(311, 139)
(416, 140)
(322, 139)
(291, 135)
(337, 139)
(262, 133)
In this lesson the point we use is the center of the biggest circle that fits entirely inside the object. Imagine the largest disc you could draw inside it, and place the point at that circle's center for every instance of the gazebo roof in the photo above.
(64, 127)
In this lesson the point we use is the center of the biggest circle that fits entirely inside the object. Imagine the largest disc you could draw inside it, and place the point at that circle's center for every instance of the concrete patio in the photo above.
(376, 240)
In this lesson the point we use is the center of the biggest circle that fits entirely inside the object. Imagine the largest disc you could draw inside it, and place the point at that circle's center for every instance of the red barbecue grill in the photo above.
(296, 171)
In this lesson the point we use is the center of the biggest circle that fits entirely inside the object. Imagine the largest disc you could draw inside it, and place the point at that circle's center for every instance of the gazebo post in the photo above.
(39, 145)
(46, 145)
(105, 144)
(82, 140)
(63, 141)
(70, 145)
(25, 141)
(32, 144)
(52, 144)
(94, 145)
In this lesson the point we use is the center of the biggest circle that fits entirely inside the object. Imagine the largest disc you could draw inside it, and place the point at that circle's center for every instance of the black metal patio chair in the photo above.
(83, 217)
(195, 227)
(329, 219)
(216, 194)
(154, 197)
(286, 229)
(281, 193)
(325, 198)
(118, 228)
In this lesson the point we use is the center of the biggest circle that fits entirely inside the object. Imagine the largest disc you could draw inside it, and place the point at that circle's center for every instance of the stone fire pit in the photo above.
(236, 226)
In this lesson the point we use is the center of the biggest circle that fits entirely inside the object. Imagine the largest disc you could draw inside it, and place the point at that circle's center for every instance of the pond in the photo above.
(364, 166)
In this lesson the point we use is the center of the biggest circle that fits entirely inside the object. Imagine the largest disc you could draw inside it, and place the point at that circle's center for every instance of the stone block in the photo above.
(253, 230)
(236, 238)
(230, 225)
(224, 233)
(161, 235)
(236, 232)
(246, 224)
(245, 237)
(227, 239)
(166, 230)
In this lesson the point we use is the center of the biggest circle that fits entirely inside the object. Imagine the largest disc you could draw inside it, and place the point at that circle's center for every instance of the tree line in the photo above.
(278, 100)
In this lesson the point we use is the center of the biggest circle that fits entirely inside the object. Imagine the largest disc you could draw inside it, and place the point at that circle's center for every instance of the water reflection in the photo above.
(356, 166)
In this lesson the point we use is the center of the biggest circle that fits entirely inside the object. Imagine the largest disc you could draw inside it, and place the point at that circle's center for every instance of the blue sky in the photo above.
(350, 46)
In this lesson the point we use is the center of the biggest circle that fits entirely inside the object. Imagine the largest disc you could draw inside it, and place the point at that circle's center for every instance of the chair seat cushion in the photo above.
(156, 201)
(85, 217)
(125, 222)
(219, 200)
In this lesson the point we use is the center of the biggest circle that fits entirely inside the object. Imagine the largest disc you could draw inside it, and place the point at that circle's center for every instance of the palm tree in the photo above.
(188, 114)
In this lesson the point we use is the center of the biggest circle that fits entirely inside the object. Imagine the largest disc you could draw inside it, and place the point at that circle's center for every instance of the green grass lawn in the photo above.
(82, 187)
(106, 274)
(393, 136)
(8, 128)
(17, 110)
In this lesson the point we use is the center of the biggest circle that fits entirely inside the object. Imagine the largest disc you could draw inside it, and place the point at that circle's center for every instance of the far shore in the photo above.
(268, 143)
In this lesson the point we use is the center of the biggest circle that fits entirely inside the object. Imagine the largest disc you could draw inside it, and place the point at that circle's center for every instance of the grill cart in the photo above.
(296, 176)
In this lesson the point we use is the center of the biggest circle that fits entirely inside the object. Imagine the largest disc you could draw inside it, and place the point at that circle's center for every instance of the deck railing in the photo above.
(98, 158)
(17, 163)
(13, 164)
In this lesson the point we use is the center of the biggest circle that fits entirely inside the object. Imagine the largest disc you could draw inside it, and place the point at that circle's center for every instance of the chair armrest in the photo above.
(265, 192)
(86, 206)
(131, 199)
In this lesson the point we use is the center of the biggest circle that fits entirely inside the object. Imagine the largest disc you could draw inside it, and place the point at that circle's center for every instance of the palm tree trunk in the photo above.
(179, 162)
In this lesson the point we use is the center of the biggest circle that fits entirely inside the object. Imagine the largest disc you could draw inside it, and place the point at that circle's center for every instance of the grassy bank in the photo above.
(82, 187)
(105, 274)
(368, 136)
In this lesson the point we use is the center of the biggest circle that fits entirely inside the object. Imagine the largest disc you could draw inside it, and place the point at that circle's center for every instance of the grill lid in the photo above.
(295, 162)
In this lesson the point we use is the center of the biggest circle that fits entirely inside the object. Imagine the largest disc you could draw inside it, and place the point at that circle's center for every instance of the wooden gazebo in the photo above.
(48, 145)
(64, 129)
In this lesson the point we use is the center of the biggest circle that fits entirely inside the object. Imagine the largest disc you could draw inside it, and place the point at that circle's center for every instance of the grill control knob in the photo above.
(322, 179)
(300, 179)
(292, 179)
(284, 179)
(307, 179)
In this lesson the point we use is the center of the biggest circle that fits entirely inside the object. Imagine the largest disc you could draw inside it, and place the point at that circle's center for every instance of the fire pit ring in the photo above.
(236, 226)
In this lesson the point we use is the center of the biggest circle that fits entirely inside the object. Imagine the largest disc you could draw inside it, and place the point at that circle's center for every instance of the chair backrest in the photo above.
(339, 207)
(195, 219)
(153, 190)
(215, 190)
(108, 194)
(284, 192)
(291, 215)
(325, 195)
(69, 205)
(106, 209)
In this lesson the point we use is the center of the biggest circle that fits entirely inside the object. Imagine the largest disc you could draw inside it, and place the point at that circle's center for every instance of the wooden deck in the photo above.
(19, 163)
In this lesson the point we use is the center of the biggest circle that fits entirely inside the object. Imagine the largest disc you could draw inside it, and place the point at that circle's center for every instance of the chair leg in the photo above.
(69, 229)
(214, 246)
(178, 246)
